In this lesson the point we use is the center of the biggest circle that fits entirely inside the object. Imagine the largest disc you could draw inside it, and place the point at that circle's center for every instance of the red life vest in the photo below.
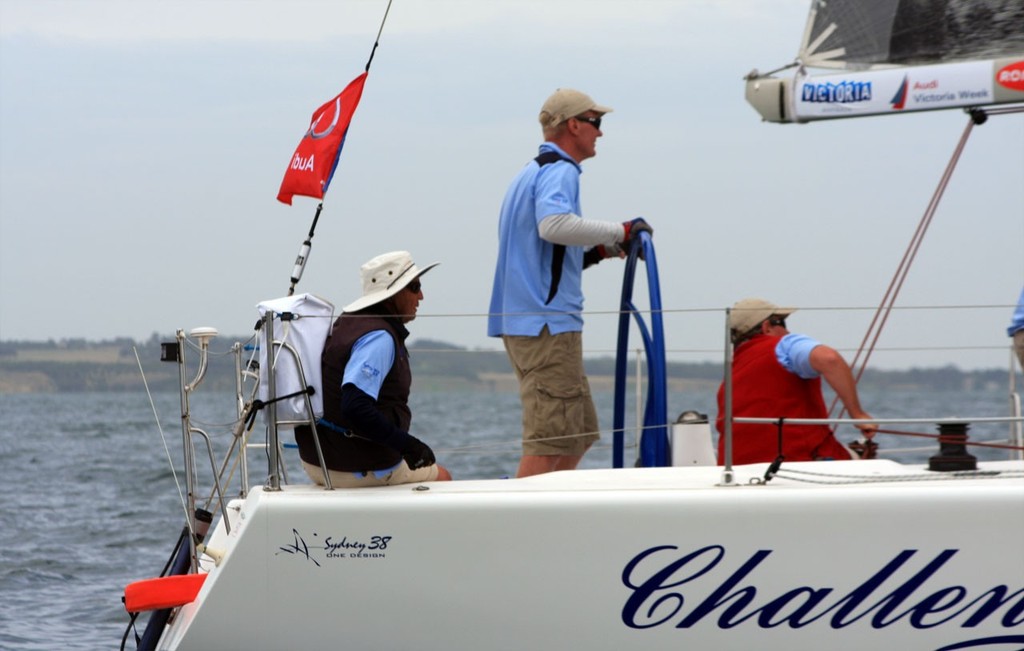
(762, 387)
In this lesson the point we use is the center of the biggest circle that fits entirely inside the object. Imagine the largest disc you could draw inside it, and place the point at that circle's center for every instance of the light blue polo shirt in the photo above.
(370, 362)
(522, 277)
(794, 353)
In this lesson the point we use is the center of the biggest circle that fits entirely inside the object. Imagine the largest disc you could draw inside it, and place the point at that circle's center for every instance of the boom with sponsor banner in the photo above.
(884, 91)
(889, 57)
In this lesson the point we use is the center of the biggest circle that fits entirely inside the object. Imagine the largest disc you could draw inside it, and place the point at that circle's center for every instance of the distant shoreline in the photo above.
(80, 366)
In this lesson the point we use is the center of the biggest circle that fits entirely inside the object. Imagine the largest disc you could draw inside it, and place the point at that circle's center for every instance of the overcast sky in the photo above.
(142, 145)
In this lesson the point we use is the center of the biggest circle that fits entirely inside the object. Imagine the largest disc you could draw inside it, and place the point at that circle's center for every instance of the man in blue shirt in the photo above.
(537, 298)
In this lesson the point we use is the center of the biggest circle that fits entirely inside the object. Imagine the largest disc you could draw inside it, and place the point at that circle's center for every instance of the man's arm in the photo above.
(831, 366)
(573, 230)
(361, 413)
(368, 365)
(605, 239)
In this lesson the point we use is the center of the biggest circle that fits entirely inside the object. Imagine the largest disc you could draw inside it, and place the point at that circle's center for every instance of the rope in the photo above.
(257, 405)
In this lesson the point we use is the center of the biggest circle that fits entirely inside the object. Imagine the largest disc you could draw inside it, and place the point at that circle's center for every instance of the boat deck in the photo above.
(796, 475)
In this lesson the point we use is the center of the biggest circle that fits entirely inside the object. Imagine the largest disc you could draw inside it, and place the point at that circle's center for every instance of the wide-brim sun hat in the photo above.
(384, 276)
(567, 103)
(748, 313)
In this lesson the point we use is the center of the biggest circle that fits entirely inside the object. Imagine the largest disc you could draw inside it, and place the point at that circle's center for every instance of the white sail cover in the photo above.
(306, 332)
(861, 34)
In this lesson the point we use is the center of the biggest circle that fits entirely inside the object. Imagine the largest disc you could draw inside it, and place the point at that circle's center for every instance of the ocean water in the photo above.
(90, 502)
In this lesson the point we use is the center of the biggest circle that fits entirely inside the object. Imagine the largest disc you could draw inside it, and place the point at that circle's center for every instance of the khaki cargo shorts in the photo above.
(558, 412)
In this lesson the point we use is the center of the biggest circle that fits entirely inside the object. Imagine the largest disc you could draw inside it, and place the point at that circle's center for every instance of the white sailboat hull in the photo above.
(655, 558)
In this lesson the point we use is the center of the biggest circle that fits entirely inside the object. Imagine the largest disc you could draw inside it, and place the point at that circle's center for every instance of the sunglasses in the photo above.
(595, 122)
(777, 321)
(414, 287)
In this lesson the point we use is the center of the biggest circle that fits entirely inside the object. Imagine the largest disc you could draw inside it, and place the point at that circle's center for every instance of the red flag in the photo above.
(313, 163)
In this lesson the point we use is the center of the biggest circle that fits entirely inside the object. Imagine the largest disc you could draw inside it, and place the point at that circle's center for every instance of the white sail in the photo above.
(899, 56)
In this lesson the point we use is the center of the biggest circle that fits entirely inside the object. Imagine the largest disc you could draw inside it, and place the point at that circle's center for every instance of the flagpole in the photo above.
(307, 244)
(376, 41)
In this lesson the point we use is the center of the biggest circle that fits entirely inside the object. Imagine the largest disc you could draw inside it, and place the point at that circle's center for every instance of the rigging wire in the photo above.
(163, 438)
(889, 299)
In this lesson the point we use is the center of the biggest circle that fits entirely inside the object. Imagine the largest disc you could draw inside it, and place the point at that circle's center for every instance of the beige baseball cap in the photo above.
(748, 313)
(567, 103)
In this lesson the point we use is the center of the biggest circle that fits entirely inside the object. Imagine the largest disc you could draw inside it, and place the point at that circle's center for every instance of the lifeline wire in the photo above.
(940, 437)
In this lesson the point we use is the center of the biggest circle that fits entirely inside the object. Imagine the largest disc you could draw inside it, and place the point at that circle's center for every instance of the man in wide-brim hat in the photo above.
(364, 432)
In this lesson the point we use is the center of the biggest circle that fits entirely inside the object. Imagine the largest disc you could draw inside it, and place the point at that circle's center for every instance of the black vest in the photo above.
(353, 453)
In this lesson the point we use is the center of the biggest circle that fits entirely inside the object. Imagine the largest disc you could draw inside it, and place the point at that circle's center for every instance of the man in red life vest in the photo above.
(776, 373)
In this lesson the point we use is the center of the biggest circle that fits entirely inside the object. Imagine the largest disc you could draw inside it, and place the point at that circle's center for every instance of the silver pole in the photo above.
(273, 479)
(243, 461)
(186, 445)
(728, 476)
(1016, 429)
